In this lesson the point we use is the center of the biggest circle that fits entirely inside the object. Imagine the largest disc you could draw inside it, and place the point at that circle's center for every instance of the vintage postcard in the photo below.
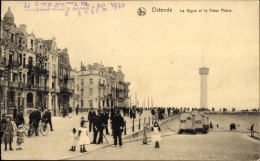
(130, 80)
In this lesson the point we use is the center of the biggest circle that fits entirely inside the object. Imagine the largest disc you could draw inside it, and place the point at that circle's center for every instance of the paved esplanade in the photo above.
(56, 144)
(213, 146)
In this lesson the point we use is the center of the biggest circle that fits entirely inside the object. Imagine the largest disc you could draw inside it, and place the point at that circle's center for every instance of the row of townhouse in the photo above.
(34, 72)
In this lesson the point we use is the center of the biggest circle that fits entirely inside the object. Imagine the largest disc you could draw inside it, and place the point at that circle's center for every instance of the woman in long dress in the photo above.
(83, 136)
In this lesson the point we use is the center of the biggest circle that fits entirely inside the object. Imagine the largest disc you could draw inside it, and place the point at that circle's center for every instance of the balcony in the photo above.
(14, 64)
(44, 72)
(22, 85)
(30, 105)
(63, 89)
(101, 85)
(2, 62)
(13, 84)
(3, 83)
(41, 88)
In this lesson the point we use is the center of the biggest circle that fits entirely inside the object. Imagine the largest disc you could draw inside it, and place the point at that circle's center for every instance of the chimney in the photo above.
(119, 68)
(23, 28)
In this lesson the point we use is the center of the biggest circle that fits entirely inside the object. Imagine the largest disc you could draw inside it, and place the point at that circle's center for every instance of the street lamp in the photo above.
(54, 104)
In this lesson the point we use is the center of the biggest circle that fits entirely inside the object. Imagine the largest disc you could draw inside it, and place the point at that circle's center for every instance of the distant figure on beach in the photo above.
(252, 130)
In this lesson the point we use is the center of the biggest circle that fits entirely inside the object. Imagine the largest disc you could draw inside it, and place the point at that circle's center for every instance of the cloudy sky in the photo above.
(161, 53)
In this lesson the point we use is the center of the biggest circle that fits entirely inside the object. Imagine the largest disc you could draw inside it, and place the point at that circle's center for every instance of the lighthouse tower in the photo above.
(204, 71)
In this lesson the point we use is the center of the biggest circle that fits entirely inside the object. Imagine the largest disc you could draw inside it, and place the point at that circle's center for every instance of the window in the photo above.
(183, 121)
(20, 59)
(91, 91)
(20, 42)
(82, 81)
(91, 103)
(188, 118)
(31, 44)
(12, 96)
(91, 81)
(12, 37)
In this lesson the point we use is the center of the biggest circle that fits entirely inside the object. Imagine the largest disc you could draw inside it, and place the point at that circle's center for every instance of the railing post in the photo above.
(144, 119)
(149, 121)
(125, 128)
(133, 128)
(145, 133)
(139, 124)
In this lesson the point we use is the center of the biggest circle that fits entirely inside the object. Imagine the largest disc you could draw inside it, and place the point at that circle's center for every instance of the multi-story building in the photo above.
(75, 99)
(101, 87)
(33, 72)
(64, 79)
(53, 83)
(23, 72)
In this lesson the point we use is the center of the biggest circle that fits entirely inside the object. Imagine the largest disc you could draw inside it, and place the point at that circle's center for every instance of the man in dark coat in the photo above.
(91, 118)
(19, 120)
(98, 128)
(106, 118)
(77, 110)
(47, 118)
(117, 125)
(35, 118)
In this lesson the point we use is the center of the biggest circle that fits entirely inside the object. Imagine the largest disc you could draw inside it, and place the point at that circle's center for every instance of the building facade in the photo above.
(34, 72)
(102, 86)
(23, 71)
(64, 79)
(75, 99)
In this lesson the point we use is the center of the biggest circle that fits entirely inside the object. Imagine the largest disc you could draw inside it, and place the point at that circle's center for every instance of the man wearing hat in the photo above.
(35, 118)
(118, 124)
(47, 118)
(98, 128)
(19, 120)
(91, 118)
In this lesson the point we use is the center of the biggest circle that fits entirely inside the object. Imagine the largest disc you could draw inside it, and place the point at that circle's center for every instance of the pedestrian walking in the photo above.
(77, 110)
(47, 118)
(106, 118)
(14, 113)
(19, 120)
(98, 128)
(2, 123)
(73, 139)
(156, 134)
(35, 118)
(118, 124)
(252, 130)
(70, 111)
(91, 118)
(83, 136)
(20, 134)
(8, 132)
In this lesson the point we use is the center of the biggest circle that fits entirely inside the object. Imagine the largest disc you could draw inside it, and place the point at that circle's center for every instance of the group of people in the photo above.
(98, 122)
(10, 130)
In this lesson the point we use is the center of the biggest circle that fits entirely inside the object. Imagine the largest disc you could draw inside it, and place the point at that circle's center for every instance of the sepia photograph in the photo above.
(130, 80)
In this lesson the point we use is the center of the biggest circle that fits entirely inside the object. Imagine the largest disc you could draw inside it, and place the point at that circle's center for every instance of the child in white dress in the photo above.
(73, 139)
(156, 134)
(83, 136)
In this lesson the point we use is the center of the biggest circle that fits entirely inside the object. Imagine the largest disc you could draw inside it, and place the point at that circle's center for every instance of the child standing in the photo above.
(83, 136)
(8, 133)
(73, 139)
(156, 134)
(20, 140)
